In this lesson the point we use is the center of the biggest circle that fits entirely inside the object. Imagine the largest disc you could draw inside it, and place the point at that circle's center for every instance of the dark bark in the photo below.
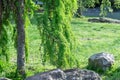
(0, 15)
(20, 37)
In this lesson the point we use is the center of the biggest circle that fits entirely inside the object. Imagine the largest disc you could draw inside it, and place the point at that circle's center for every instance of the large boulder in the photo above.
(81, 74)
(101, 61)
(70, 74)
(56, 74)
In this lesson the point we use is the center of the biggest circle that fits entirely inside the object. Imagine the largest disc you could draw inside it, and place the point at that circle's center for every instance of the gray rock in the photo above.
(101, 61)
(104, 20)
(56, 74)
(70, 74)
(77, 74)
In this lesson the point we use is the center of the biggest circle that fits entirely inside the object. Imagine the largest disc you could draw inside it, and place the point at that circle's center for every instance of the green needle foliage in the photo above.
(30, 9)
(57, 37)
(5, 28)
(117, 4)
(90, 3)
(29, 5)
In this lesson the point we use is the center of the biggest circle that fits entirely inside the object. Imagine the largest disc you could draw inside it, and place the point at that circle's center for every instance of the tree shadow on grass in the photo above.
(109, 74)
(113, 75)
(77, 22)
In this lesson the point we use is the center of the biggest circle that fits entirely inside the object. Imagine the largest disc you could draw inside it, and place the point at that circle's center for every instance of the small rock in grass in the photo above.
(101, 61)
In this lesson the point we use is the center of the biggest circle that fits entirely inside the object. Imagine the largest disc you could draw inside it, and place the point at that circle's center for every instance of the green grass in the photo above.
(97, 37)
(91, 38)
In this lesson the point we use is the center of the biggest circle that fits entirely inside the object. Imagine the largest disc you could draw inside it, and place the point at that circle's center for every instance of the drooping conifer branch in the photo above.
(57, 37)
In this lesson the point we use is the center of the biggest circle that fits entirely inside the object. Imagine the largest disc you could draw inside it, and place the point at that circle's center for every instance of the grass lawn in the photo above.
(97, 37)
(91, 38)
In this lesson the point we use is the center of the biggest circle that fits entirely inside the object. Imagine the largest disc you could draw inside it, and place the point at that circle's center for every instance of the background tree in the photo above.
(81, 8)
(117, 4)
(105, 7)
(82, 4)
(90, 3)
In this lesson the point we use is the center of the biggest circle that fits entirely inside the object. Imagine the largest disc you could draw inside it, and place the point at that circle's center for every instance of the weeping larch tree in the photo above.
(57, 37)
(13, 10)
(105, 7)
(6, 11)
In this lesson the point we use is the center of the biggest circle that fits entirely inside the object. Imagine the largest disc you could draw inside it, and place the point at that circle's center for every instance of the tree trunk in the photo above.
(0, 15)
(20, 37)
